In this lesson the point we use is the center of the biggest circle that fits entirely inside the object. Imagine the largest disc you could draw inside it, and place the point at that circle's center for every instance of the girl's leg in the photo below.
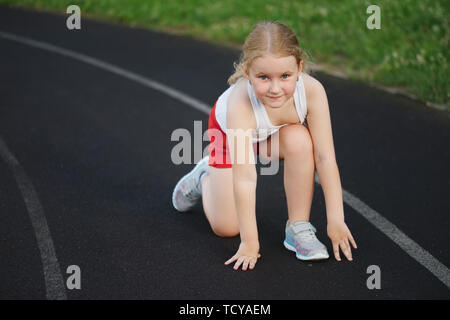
(218, 202)
(296, 143)
(295, 147)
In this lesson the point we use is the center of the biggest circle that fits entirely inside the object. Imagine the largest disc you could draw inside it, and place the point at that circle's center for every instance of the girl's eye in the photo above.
(284, 76)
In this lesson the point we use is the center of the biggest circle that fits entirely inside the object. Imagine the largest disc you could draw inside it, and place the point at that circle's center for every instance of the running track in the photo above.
(86, 176)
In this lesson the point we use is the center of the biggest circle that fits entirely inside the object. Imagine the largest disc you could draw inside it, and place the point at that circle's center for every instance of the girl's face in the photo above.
(274, 79)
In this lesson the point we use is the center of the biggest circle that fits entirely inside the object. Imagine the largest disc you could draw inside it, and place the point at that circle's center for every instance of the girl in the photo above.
(269, 91)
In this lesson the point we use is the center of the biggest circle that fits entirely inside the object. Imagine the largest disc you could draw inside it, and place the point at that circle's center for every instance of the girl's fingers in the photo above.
(349, 251)
(336, 251)
(233, 258)
(238, 262)
(246, 261)
(252, 263)
(245, 264)
(352, 241)
(343, 247)
(346, 249)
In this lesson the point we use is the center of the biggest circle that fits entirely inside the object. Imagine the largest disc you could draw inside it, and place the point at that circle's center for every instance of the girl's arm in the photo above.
(319, 124)
(244, 185)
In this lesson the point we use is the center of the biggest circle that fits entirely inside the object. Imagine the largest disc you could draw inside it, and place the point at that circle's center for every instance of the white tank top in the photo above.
(264, 128)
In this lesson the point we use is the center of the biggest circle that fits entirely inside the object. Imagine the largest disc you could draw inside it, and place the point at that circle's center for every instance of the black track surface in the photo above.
(97, 149)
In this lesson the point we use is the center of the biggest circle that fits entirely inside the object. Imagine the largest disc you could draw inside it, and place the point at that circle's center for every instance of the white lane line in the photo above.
(196, 104)
(390, 230)
(395, 234)
(54, 283)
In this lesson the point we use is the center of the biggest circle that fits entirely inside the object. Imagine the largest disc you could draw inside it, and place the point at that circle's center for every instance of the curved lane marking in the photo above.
(54, 283)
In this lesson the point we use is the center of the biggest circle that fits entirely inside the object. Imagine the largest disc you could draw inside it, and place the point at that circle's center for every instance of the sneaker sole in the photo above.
(318, 256)
(179, 182)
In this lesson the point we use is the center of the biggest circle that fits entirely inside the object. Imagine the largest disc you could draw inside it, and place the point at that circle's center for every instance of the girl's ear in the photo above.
(246, 73)
(300, 66)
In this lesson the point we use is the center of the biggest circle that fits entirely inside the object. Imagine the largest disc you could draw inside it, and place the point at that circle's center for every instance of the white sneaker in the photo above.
(301, 238)
(189, 189)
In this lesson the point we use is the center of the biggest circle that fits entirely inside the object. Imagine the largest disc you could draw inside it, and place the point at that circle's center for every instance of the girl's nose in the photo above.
(274, 87)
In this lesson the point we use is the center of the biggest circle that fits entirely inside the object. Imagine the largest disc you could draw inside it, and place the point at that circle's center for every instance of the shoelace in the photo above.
(192, 191)
(190, 195)
(307, 235)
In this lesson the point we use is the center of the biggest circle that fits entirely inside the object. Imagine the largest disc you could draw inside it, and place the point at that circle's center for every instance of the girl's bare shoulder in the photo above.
(239, 106)
(313, 87)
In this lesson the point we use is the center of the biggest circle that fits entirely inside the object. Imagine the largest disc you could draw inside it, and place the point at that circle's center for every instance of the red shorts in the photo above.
(219, 154)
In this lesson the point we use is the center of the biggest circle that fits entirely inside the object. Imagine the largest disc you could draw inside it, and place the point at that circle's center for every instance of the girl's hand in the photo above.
(340, 236)
(247, 255)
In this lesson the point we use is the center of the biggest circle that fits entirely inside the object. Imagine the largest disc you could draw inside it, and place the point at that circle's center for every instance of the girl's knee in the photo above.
(295, 139)
(225, 231)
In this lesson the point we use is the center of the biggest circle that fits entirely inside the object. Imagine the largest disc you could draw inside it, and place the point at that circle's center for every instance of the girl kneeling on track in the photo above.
(269, 93)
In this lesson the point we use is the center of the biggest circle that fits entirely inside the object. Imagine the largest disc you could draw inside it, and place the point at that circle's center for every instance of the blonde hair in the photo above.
(268, 37)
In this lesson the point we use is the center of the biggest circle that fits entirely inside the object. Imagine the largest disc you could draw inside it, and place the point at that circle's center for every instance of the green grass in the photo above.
(409, 52)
